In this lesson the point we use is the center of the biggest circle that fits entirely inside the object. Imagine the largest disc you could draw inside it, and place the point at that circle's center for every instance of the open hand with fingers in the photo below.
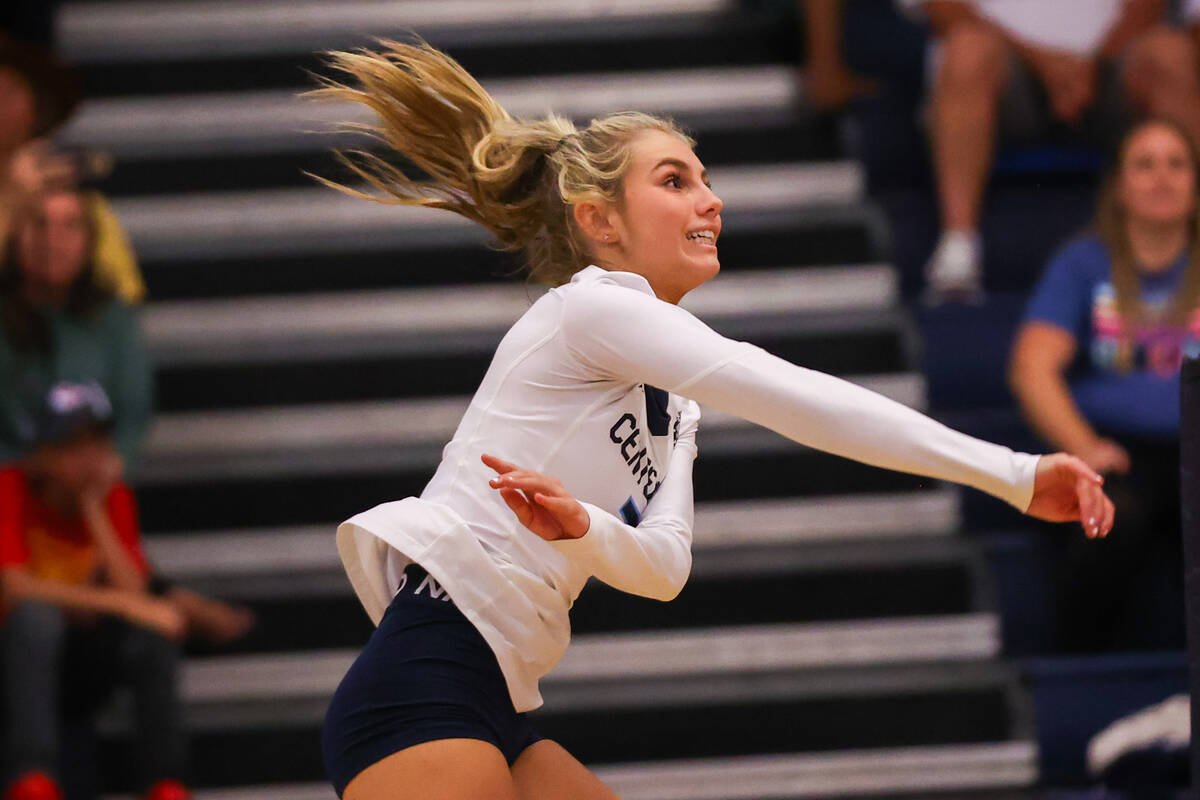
(1065, 489)
(540, 502)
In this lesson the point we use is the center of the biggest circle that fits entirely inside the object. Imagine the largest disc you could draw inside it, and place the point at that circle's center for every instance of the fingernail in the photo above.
(1092, 522)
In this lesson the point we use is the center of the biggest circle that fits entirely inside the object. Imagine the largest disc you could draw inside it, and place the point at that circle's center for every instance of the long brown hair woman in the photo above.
(58, 322)
(596, 385)
(1095, 368)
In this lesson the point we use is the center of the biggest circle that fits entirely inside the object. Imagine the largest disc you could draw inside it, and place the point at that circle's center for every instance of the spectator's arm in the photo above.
(120, 569)
(1037, 377)
(1137, 17)
(18, 583)
(829, 84)
(823, 31)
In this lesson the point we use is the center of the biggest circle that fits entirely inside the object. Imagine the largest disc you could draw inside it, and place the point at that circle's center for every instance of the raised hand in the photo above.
(1066, 490)
(540, 502)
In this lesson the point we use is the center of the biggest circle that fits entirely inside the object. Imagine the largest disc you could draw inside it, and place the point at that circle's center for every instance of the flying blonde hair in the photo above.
(518, 178)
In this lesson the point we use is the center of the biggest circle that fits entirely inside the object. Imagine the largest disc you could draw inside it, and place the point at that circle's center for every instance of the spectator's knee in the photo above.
(1161, 63)
(34, 626)
(976, 56)
(147, 651)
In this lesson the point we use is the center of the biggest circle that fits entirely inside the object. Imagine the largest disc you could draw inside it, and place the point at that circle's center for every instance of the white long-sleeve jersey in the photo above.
(589, 386)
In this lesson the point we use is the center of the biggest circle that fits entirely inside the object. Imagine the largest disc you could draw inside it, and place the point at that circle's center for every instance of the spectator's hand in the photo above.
(1069, 79)
(147, 611)
(1065, 490)
(216, 622)
(831, 87)
(540, 502)
(107, 470)
(1105, 456)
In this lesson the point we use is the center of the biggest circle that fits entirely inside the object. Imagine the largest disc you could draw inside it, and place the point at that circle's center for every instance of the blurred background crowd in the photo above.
(985, 208)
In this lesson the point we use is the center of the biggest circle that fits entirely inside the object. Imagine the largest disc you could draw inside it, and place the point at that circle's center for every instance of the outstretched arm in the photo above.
(606, 330)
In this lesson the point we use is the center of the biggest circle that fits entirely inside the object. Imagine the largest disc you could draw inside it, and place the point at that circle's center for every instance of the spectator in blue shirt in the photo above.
(1095, 369)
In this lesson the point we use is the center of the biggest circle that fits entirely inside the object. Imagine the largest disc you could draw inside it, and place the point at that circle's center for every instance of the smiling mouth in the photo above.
(705, 237)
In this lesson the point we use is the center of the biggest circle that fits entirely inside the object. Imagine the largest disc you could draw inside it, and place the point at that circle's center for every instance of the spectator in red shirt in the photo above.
(79, 616)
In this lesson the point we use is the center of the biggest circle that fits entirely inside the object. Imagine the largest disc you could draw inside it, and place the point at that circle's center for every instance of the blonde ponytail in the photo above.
(519, 179)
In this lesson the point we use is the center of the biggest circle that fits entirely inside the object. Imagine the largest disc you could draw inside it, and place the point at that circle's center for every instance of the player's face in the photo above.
(1158, 179)
(53, 241)
(669, 220)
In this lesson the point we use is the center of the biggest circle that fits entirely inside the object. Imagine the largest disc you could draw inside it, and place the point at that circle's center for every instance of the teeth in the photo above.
(708, 235)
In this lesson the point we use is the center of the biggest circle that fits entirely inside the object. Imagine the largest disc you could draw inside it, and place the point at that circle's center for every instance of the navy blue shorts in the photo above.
(425, 674)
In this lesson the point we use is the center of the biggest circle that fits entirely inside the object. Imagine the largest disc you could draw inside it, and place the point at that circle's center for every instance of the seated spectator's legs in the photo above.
(110, 653)
(151, 664)
(1162, 77)
(1125, 592)
(32, 637)
(976, 64)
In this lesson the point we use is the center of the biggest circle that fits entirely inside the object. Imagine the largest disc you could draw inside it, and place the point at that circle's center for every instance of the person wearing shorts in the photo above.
(1025, 70)
(574, 457)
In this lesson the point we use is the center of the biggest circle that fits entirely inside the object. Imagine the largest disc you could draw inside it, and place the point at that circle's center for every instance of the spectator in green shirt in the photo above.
(57, 323)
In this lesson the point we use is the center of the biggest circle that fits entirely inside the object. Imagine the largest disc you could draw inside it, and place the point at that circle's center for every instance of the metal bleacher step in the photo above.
(254, 686)
(715, 693)
(977, 771)
(142, 31)
(749, 464)
(801, 238)
(892, 771)
(344, 324)
(416, 343)
(780, 140)
(732, 39)
(297, 240)
(274, 121)
(286, 222)
(244, 561)
(259, 45)
(298, 440)
(308, 604)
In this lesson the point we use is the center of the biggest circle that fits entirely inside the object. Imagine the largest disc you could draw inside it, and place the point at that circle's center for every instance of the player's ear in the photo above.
(595, 222)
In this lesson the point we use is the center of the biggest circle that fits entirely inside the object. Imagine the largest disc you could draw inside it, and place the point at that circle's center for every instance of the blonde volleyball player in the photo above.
(596, 385)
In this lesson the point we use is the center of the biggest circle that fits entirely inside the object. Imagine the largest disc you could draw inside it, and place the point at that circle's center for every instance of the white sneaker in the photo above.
(1167, 724)
(954, 273)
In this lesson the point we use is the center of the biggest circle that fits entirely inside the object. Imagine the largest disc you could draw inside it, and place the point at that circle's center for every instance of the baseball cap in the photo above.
(71, 409)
